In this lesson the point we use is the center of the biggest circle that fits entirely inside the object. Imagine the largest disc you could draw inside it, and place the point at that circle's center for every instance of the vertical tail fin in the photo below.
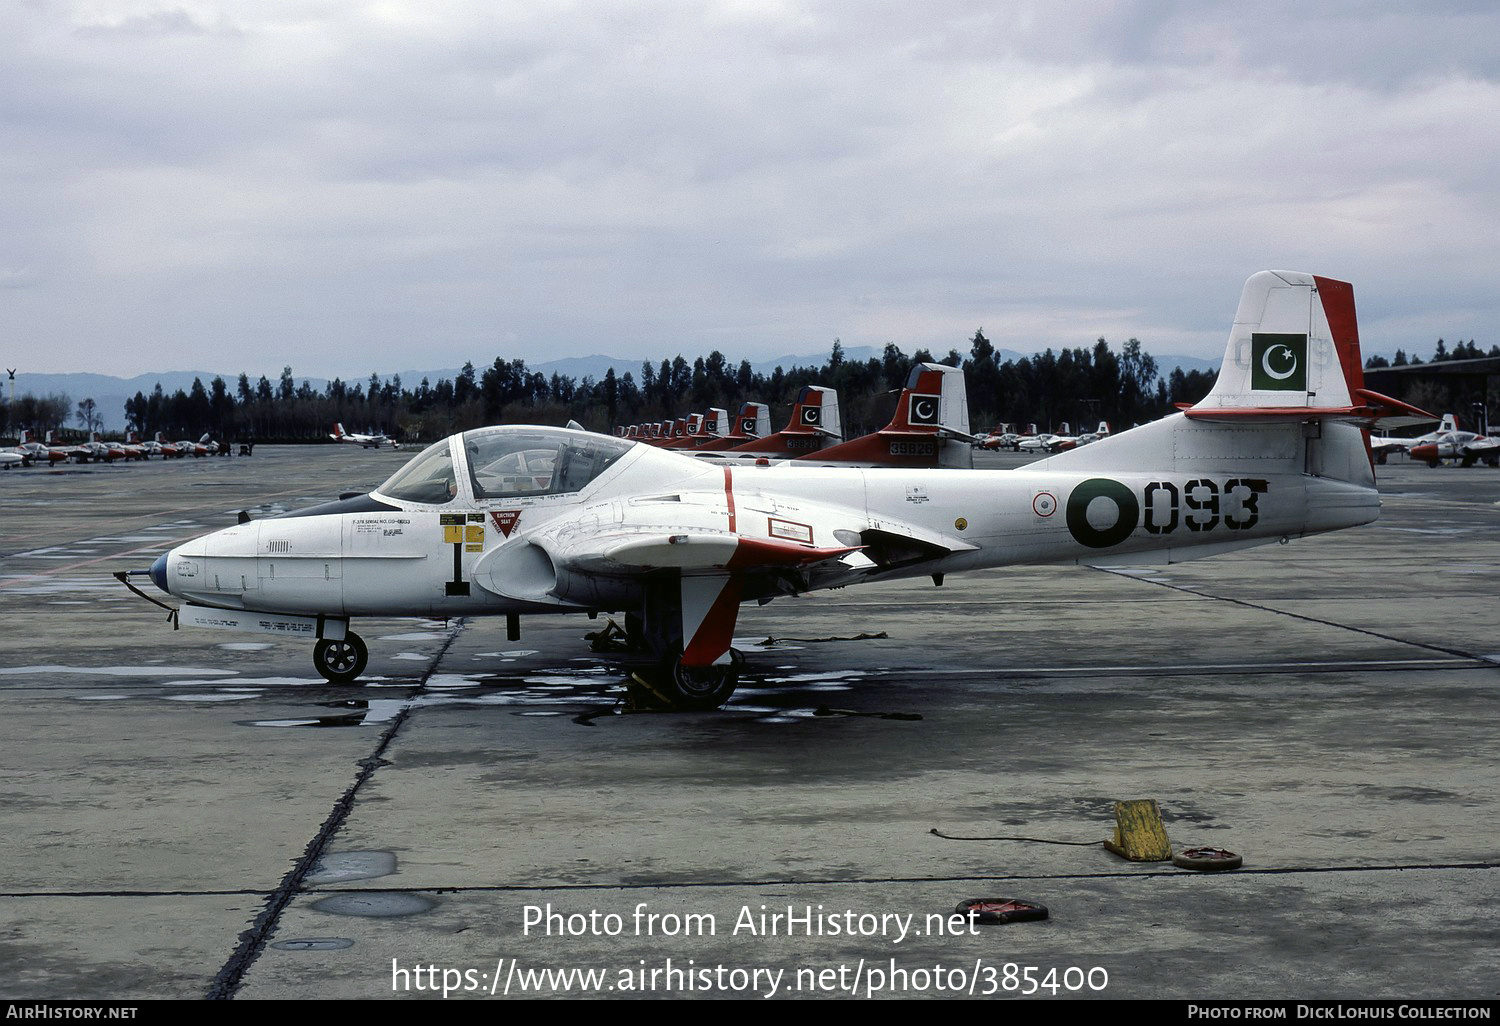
(930, 427)
(688, 434)
(816, 411)
(1294, 345)
(813, 424)
(752, 422)
(933, 400)
(1289, 398)
(755, 420)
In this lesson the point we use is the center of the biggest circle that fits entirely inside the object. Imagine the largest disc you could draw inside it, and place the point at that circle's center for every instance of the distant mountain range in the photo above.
(110, 393)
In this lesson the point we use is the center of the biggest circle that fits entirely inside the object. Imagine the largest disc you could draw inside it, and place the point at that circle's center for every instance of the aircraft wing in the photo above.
(703, 551)
(1482, 448)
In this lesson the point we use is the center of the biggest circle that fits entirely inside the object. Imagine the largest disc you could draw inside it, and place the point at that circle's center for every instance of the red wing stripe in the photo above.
(753, 553)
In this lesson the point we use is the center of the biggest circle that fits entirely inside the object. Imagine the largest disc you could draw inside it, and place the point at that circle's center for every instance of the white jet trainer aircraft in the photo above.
(519, 520)
(367, 441)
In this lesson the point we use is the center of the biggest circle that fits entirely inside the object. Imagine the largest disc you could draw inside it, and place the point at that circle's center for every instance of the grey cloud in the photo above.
(402, 179)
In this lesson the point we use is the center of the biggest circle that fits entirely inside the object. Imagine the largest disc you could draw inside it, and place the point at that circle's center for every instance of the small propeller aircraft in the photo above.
(520, 520)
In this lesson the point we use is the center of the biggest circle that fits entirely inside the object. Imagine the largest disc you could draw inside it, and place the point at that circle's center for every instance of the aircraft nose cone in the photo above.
(159, 572)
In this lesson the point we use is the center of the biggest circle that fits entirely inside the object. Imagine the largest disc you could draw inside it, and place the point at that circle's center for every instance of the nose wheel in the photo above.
(340, 662)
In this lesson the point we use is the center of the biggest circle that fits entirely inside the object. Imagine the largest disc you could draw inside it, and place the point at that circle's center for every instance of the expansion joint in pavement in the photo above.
(253, 940)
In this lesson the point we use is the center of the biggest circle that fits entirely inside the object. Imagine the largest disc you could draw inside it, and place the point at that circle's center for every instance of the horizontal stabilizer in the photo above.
(1375, 406)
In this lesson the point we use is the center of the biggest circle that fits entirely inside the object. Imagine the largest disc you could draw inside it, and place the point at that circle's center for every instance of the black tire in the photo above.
(700, 687)
(340, 662)
(1207, 860)
(1001, 910)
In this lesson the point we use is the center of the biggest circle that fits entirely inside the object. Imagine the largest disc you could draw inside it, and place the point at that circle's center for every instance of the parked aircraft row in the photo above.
(51, 452)
(517, 519)
(1448, 442)
(930, 428)
(1039, 441)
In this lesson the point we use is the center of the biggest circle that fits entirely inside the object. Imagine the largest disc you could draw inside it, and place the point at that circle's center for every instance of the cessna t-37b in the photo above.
(366, 441)
(521, 520)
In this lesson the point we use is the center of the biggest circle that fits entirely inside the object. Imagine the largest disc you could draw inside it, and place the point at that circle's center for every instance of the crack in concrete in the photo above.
(253, 941)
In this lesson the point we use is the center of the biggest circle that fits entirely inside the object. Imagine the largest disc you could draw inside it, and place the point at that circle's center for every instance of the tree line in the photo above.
(1080, 386)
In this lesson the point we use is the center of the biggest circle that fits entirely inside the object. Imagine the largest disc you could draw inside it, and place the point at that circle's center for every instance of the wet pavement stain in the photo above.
(344, 866)
(375, 904)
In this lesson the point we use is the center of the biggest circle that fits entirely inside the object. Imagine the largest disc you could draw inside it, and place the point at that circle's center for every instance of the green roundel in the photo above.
(1128, 512)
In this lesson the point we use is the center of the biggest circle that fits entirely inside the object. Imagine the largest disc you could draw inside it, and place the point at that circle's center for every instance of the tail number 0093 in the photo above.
(1201, 504)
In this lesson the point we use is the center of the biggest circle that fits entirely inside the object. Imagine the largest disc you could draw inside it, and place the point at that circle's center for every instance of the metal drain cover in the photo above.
(314, 944)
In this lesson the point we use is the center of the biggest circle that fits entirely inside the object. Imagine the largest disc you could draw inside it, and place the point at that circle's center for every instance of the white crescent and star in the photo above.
(1265, 362)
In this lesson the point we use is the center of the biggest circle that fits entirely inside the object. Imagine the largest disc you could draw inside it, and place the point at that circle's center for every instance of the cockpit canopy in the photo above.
(505, 462)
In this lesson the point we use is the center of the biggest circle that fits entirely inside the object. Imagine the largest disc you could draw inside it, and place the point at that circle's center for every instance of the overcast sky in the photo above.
(349, 187)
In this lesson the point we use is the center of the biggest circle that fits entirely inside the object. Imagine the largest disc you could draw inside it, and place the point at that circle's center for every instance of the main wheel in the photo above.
(701, 687)
(340, 662)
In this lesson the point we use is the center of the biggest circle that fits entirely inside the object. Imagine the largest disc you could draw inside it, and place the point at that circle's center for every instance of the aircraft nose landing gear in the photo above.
(340, 662)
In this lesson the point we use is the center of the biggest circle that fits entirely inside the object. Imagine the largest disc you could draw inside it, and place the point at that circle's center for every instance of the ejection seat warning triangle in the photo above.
(505, 520)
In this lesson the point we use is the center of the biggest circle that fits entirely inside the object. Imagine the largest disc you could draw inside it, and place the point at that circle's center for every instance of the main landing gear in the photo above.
(700, 687)
(340, 662)
(687, 623)
(681, 686)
